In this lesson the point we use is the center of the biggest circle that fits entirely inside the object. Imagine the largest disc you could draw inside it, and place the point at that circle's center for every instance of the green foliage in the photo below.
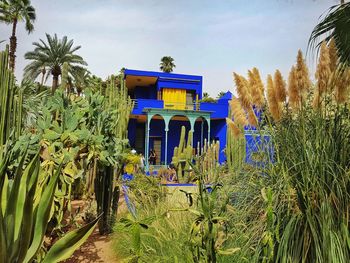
(145, 188)
(10, 110)
(167, 64)
(335, 24)
(206, 98)
(112, 125)
(207, 160)
(164, 235)
(183, 155)
(311, 186)
(296, 209)
(209, 229)
(235, 151)
(11, 11)
(26, 205)
(50, 56)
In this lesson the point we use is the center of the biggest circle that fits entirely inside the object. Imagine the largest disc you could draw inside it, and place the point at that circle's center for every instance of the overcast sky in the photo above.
(208, 38)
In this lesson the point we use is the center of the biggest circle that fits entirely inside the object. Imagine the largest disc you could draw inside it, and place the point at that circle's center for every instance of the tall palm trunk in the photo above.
(43, 72)
(13, 46)
(54, 83)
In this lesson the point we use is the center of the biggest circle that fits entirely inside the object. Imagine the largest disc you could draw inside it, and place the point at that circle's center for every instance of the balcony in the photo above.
(140, 104)
(219, 110)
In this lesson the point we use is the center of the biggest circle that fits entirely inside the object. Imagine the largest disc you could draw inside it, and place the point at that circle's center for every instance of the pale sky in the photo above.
(207, 38)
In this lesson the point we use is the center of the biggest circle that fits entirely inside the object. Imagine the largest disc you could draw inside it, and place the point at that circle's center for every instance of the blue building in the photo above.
(164, 102)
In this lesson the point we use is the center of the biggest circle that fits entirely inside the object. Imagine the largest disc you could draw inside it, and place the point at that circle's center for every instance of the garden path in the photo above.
(97, 248)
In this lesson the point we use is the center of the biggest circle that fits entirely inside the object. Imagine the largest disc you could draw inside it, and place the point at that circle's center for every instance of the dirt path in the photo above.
(96, 249)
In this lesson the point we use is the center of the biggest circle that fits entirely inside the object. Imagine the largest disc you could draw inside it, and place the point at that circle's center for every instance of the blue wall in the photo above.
(197, 133)
(132, 132)
(174, 135)
(218, 130)
(145, 93)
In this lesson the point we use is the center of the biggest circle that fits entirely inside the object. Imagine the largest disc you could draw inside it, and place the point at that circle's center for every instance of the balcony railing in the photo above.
(149, 103)
(219, 110)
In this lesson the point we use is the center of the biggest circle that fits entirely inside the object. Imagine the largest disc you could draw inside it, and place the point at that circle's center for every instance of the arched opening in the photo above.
(157, 139)
(175, 124)
(200, 133)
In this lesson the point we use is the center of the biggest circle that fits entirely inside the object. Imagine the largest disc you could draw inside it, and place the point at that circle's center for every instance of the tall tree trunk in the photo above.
(54, 83)
(43, 72)
(13, 46)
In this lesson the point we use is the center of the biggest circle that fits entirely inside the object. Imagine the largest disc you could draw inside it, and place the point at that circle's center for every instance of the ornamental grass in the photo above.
(302, 211)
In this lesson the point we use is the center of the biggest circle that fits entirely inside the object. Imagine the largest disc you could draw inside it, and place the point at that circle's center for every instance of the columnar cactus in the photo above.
(208, 160)
(183, 155)
(235, 149)
(11, 103)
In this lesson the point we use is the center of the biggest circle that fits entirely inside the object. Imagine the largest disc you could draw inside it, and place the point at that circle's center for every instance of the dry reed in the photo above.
(238, 113)
(242, 86)
(280, 87)
(274, 106)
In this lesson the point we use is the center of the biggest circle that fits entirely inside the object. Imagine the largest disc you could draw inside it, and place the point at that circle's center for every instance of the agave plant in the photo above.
(25, 212)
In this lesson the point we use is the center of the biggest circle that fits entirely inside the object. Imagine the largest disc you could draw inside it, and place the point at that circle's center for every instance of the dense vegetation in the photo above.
(70, 141)
(292, 205)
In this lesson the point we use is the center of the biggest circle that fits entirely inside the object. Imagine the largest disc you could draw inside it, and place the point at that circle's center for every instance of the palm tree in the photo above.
(221, 94)
(167, 64)
(48, 58)
(81, 79)
(335, 24)
(12, 12)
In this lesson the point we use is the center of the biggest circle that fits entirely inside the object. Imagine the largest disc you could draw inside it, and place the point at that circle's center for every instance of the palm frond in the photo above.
(335, 24)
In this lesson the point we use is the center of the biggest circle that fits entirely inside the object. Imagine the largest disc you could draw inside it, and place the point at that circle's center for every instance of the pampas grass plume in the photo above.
(238, 112)
(236, 132)
(252, 119)
(280, 87)
(323, 71)
(257, 88)
(302, 74)
(293, 91)
(343, 87)
(333, 55)
(243, 90)
(272, 100)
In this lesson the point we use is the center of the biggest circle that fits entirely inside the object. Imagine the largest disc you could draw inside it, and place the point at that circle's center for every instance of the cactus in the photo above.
(11, 103)
(235, 151)
(106, 189)
(183, 155)
(207, 160)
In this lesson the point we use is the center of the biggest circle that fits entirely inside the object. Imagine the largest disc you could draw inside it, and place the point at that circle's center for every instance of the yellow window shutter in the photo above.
(174, 98)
